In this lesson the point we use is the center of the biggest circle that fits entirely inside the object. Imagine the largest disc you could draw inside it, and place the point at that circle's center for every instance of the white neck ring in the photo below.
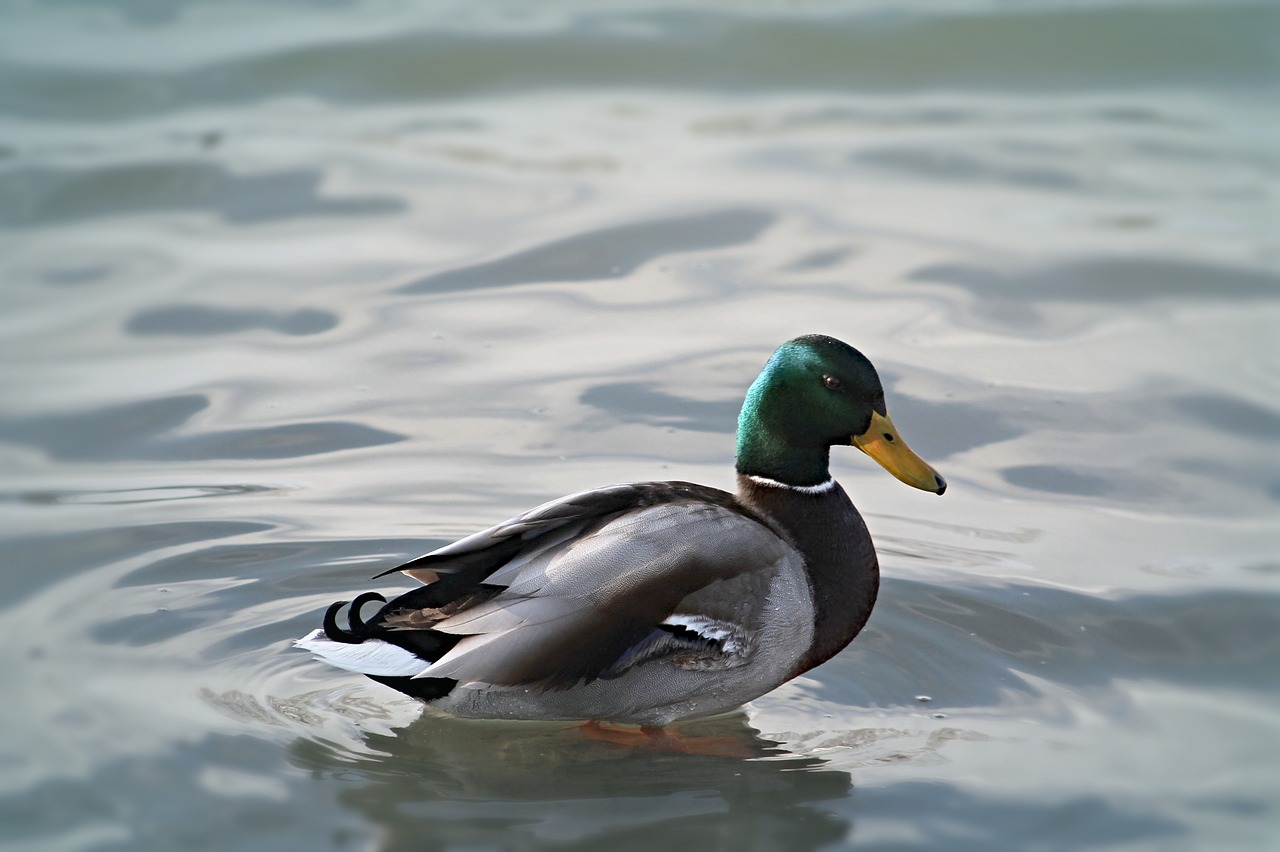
(820, 488)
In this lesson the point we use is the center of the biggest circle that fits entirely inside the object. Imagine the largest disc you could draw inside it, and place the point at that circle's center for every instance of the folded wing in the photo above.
(585, 587)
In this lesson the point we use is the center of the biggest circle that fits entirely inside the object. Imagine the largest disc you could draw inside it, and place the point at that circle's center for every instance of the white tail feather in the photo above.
(372, 656)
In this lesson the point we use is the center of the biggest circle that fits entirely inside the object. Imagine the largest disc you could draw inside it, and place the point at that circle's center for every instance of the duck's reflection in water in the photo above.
(446, 784)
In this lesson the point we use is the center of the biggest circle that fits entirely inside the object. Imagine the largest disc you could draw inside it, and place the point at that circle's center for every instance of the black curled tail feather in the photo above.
(425, 643)
(357, 630)
(331, 628)
(422, 641)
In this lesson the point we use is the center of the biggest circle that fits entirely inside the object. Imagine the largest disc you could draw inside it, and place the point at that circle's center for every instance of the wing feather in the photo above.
(574, 589)
(573, 610)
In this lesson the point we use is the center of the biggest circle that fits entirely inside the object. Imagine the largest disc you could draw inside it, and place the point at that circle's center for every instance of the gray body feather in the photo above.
(642, 603)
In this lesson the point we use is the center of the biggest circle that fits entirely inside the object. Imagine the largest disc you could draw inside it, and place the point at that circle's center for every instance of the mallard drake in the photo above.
(653, 602)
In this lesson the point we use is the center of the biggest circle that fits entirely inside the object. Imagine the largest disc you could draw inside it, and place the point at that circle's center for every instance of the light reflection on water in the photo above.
(293, 293)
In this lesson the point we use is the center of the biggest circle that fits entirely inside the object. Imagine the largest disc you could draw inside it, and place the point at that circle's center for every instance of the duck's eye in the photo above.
(832, 383)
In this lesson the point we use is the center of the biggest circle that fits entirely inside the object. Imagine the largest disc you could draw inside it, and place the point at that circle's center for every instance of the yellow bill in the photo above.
(882, 443)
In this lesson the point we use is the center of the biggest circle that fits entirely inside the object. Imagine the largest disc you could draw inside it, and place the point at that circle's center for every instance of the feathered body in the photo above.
(652, 602)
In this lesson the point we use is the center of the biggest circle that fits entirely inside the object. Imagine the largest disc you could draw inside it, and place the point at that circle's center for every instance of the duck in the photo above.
(652, 603)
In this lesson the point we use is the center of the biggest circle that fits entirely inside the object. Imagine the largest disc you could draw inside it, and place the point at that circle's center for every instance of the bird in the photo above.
(651, 603)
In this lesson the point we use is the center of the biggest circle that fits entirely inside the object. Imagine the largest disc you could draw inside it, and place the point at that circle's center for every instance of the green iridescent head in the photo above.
(815, 393)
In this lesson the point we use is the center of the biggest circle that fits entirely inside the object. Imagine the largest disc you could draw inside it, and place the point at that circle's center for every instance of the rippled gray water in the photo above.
(288, 293)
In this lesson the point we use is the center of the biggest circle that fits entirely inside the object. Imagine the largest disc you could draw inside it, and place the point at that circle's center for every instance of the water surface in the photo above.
(293, 292)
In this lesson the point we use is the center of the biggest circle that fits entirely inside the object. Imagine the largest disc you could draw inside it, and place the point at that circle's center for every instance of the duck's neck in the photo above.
(785, 464)
(843, 572)
(774, 444)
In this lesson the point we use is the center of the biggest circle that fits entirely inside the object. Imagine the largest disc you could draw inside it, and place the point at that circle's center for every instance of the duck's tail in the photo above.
(354, 650)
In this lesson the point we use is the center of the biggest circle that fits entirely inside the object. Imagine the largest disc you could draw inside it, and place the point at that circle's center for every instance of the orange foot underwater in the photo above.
(667, 740)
